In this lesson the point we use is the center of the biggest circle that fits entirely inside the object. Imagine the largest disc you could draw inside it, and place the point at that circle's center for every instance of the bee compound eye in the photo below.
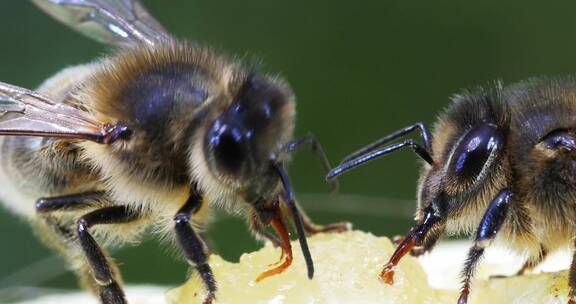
(228, 145)
(474, 151)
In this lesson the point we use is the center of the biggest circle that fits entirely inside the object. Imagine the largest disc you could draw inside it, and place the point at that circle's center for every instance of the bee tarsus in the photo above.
(112, 294)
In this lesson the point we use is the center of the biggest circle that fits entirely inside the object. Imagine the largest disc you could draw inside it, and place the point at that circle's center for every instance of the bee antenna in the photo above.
(349, 164)
(377, 149)
(291, 203)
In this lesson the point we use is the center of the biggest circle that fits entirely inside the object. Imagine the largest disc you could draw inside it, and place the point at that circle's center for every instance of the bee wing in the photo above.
(28, 113)
(117, 22)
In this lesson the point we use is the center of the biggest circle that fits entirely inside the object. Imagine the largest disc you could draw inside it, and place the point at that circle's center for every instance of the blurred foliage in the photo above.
(360, 70)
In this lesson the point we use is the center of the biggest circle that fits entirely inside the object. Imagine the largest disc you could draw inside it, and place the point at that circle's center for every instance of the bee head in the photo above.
(247, 137)
(470, 166)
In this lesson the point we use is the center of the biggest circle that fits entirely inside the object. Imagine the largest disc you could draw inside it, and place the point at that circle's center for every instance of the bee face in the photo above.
(241, 143)
(466, 173)
(469, 164)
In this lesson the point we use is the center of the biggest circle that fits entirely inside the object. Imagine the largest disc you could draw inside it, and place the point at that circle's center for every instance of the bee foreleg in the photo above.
(312, 228)
(487, 230)
(314, 145)
(193, 247)
(103, 272)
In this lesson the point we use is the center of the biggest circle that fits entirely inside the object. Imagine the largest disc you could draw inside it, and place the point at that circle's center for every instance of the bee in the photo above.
(151, 137)
(500, 165)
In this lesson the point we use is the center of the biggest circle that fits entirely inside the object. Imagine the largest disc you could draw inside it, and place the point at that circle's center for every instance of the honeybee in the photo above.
(154, 135)
(501, 161)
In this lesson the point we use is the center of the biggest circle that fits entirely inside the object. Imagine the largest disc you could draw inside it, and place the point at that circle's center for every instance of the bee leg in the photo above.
(103, 273)
(193, 247)
(489, 226)
(312, 228)
(533, 262)
(315, 147)
(68, 202)
(59, 237)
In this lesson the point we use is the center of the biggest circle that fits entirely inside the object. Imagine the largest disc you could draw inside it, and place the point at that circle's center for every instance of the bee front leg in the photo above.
(489, 226)
(193, 247)
(103, 273)
(310, 141)
(312, 228)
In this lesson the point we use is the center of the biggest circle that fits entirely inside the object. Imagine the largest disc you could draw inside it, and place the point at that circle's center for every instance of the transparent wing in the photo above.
(118, 22)
(28, 113)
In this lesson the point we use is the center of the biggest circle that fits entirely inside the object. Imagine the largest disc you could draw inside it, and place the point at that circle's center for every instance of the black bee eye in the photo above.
(228, 145)
(474, 151)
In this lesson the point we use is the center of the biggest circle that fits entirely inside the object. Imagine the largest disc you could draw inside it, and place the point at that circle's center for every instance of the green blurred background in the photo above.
(360, 70)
